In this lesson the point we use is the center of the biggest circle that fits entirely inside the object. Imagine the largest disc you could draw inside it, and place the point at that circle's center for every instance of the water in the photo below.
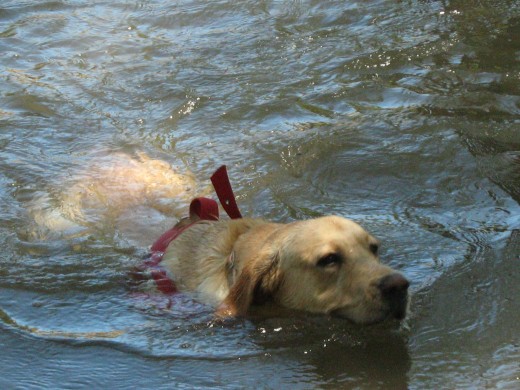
(401, 115)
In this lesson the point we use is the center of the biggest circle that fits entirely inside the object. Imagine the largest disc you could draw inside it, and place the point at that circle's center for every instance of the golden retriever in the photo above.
(325, 265)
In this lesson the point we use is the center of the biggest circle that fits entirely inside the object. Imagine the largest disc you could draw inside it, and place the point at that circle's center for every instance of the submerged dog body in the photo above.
(324, 265)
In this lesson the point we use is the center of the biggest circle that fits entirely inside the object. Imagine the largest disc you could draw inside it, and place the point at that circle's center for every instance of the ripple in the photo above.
(399, 115)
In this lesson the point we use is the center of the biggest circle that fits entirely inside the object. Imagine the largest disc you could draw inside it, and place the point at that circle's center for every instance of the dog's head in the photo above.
(324, 265)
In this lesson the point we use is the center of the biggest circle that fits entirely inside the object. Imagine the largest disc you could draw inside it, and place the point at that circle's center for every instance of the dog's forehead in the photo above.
(334, 230)
(340, 225)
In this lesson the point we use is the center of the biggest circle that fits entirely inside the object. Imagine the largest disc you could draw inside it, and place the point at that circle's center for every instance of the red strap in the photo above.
(204, 208)
(162, 242)
(151, 268)
(163, 282)
(224, 192)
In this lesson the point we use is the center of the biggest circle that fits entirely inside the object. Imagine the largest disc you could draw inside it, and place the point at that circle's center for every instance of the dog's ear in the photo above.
(259, 277)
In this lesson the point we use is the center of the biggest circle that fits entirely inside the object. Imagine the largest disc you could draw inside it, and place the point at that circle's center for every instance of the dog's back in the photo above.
(200, 259)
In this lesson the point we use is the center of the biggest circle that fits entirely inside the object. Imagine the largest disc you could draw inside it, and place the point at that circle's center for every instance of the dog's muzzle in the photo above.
(394, 292)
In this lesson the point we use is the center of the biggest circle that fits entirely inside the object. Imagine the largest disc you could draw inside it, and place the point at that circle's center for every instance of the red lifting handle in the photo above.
(224, 192)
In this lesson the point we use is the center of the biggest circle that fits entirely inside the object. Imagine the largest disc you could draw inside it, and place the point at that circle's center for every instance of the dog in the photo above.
(129, 195)
(327, 265)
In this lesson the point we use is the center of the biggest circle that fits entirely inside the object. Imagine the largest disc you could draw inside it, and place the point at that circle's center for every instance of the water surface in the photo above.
(403, 116)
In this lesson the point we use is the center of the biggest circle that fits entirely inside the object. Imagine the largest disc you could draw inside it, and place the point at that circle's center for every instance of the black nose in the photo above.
(393, 284)
(394, 289)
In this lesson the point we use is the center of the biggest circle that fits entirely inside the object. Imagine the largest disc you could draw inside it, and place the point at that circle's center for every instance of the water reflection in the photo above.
(336, 353)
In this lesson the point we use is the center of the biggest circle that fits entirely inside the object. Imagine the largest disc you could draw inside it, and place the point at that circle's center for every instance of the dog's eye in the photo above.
(330, 260)
(374, 248)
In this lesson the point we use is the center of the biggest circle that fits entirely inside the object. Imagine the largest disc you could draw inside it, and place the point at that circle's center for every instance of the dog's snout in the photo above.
(394, 290)
(393, 284)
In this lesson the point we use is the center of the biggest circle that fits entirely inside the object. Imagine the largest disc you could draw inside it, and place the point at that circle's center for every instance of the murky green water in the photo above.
(402, 115)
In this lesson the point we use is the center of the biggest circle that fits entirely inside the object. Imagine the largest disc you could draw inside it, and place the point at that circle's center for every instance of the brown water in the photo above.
(402, 115)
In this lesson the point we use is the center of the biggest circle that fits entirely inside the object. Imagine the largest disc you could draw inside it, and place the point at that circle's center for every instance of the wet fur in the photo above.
(235, 263)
